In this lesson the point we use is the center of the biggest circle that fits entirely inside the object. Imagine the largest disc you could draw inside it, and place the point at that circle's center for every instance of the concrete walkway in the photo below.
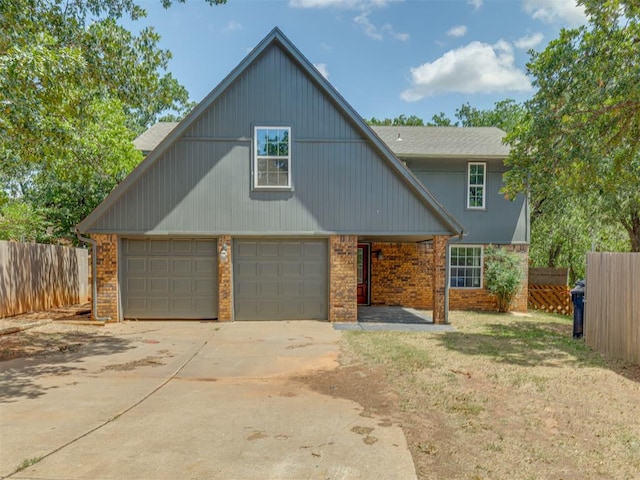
(394, 319)
(171, 400)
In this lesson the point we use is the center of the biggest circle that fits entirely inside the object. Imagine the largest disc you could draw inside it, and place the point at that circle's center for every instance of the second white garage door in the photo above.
(278, 279)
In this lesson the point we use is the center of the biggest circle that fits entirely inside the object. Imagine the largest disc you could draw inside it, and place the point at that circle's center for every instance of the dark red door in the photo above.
(363, 274)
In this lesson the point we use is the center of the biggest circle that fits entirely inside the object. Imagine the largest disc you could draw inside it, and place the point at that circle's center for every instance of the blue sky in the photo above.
(386, 57)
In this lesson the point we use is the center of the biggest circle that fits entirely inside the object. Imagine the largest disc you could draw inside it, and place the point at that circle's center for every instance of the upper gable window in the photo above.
(476, 185)
(272, 162)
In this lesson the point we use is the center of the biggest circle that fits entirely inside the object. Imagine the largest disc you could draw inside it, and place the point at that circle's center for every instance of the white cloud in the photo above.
(369, 28)
(529, 41)
(475, 3)
(475, 68)
(365, 7)
(232, 26)
(345, 4)
(322, 68)
(556, 11)
(457, 31)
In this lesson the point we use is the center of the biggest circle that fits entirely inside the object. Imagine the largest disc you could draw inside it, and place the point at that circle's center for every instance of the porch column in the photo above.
(106, 278)
(225, 279)
(343, 278)
(439, 283)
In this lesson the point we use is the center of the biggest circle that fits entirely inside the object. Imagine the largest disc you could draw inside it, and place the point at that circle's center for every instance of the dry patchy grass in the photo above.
(509, 397)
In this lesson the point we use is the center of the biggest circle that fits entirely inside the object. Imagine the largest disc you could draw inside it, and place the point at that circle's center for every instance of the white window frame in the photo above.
(483, 185)
(451, 266)
(257, 157)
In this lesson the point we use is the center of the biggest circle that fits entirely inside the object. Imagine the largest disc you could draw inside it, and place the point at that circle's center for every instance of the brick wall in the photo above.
(343, 299)
(439, 279)
(479, 299)
(225, 280)
(107, 277)
(403, 275)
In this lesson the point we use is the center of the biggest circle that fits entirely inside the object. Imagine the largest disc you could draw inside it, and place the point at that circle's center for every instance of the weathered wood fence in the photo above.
(548, 290)
(38, 277)
(612, 304)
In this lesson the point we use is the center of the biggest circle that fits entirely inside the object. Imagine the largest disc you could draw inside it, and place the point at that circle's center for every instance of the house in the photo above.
(273, 199)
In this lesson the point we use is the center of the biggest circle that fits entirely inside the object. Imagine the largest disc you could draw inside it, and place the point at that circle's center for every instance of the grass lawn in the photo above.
(508, 397)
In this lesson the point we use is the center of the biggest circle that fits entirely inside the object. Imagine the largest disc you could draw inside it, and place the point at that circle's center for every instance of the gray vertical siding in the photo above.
(503, 221)
(202, 185)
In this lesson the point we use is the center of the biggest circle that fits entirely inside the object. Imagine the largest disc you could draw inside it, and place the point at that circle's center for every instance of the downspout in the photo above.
(94, 276)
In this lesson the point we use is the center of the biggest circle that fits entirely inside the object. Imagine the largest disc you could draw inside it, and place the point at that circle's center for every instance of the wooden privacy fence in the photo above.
(38, 277)
(548, 290)
(612, 304)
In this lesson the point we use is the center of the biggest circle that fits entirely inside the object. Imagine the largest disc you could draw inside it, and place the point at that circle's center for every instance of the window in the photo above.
(477, 180)
(465, 267)
(272, 157)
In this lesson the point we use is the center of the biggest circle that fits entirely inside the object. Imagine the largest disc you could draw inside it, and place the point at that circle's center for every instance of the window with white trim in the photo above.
(465, 267)
(272, 157)
(476, 184)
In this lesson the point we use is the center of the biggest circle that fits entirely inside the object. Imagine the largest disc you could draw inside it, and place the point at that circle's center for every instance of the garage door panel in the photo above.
(158, 265)
(203, 286)
(181, 286)
(158, 305)
(136, 284)
(268, 270)
(159, 285)
(280, 279)
(136, 265)
(291, 249)
(290, 269)
(158, 246)
(170, 278)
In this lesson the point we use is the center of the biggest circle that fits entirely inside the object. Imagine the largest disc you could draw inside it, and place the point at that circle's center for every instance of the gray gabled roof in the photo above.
(151, 138)
(467, 142)
(277, 37)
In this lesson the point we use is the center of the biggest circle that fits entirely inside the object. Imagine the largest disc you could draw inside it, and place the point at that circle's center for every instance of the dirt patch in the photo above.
(49, 336)
(128, 366)
(503, 397)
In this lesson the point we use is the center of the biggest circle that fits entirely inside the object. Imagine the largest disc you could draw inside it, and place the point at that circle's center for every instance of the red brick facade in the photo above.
(225, 279)
(406, 274)
(107, 277)
(439, 279)
(402, 275)
(343, 277)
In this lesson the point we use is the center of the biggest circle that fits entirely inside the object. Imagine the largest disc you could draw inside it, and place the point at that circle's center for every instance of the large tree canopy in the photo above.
(581, 133)
(75, 89)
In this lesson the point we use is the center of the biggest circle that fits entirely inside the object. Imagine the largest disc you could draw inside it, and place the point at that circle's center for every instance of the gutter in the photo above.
(94, 277)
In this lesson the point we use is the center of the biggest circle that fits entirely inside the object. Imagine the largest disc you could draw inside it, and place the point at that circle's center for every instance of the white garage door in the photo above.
(280, 279)
(169, 278)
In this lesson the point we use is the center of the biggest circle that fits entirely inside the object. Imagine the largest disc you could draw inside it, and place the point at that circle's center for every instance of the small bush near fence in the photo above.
(38, 277)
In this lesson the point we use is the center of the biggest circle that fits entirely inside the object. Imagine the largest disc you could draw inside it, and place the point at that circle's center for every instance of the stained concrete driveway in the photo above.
(189, 400)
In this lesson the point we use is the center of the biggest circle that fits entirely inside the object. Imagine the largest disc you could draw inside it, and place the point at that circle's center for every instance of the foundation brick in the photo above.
(343, 277)
(225, 280)
(107, 277)
(402, 276)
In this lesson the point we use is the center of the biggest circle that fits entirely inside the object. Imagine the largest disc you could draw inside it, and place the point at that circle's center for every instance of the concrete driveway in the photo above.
(190, 400)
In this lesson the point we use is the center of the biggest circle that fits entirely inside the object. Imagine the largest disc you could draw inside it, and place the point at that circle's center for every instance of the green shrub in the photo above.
(503, 275)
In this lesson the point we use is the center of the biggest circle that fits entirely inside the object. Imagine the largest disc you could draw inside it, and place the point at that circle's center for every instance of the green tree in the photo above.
(503, 275)
(401, 120)
(505, 114)
(73, 85)
(581, 131)
(441, 120)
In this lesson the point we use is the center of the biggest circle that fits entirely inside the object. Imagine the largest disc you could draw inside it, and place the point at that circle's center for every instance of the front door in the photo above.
(363, 274)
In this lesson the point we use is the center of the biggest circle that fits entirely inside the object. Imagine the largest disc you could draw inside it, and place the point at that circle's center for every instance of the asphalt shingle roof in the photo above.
(416, 141)
(150, 139)
(444, 141)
